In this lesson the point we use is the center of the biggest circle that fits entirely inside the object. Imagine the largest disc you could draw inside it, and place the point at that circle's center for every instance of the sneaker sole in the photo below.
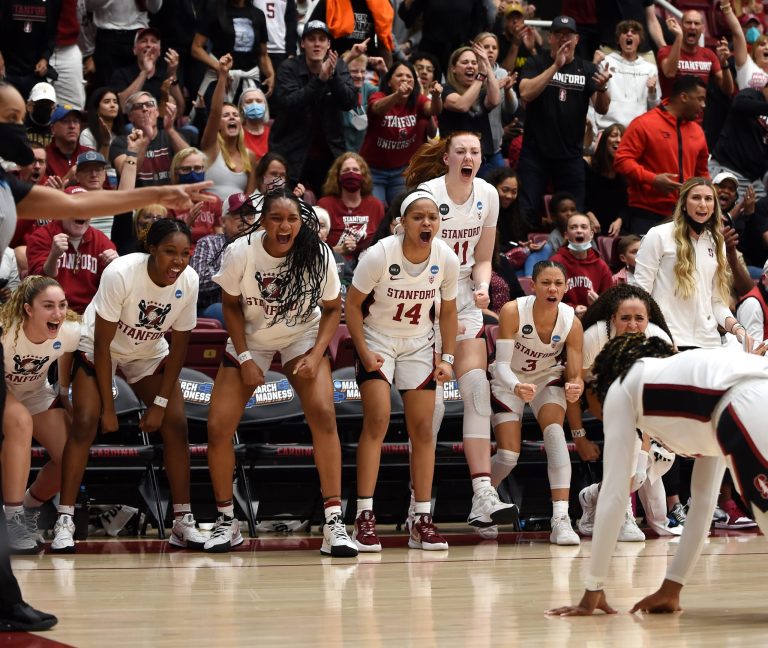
(339, 552)
(25, 551)
(64, 550)
(363, 548)
(570, 543)
(224, 547)
(173, 540)
(735, 527)
(639, 538)
(427, 546)
(509, 515)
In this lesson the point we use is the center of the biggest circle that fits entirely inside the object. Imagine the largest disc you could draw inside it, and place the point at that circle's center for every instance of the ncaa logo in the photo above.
(527, 329)
(479, 205)
(444, 209)
(394, 269)
(178, 294)
(555, 339)
(434, 269)
(761, 485)
(57, 345)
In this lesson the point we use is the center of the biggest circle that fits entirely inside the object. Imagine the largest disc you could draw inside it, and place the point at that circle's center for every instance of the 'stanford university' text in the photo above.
(533, 354)
(139, 335)
(460, 233)
(394, 145)
(394, 293)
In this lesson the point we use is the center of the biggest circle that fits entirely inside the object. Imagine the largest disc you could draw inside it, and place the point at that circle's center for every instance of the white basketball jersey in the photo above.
(462, 225)
(274, 11)
(398, 304)
(531, 356)
(678, 400)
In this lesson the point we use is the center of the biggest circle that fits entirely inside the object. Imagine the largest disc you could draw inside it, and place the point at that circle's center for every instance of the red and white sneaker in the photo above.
(186, 534)
(735, 518)
(424, 535)
(364, 536)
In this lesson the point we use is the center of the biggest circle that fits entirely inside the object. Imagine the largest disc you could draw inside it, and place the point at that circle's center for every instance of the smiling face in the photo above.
(700, 203)
(421, 223)
(357, 71)
(463, 158)
(316, 45)
(465, 68)
(507, 189)
(631, 316)
(169, 258)
(614, 139)
(108, 106)
(46, 314)
(578, 229)
(281, 223)
(550, 286)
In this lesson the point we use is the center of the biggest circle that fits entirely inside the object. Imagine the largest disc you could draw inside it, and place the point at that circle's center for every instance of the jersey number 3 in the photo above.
(413, 313)
(530, 365)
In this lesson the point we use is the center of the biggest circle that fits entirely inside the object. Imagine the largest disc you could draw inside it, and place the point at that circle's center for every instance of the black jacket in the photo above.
(303, 100)
(743, 142)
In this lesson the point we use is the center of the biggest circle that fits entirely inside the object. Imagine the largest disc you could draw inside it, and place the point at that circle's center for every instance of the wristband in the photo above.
(131, 154)
(160, 402)
(447, 357)
(131, 162)
(480, 76)
(64, 390)
(245, 356)
(483, 285)
(175, 82)
(736, 326)
(578, 433)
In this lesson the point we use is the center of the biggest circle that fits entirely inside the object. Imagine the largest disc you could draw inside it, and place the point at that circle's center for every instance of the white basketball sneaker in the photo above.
(488, 509)
(225, 535)
(63, 535)
(336, 542)
(563, 533)
(186, 534)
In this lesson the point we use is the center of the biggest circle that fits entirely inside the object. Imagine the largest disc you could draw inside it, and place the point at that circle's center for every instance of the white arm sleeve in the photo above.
(705, 485)
(618, 466)
(504, 373)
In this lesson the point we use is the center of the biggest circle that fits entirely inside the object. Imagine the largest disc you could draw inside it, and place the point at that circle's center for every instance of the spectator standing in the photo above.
(517, 41)
(254, 113)
(311, 139)
(355, 213)
(67, 59)
(557, 88)
(282, 20)
(660, 150)
(751, 69)
(611, 12)
(65, 146)
(356, 119)
(105, 121)
(633, 83)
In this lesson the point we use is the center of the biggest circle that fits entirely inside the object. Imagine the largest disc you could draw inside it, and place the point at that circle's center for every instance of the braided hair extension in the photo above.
(305, 267)
(620, 354)
(13, 314)
(607, 304)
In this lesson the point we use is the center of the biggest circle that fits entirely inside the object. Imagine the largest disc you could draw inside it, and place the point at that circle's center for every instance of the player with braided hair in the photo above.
(622, 309)
(38, 330)
(705, 403)
(273, 282)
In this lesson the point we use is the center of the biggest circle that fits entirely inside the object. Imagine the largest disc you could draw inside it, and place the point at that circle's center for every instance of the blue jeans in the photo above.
(388, 184)
(214, 311)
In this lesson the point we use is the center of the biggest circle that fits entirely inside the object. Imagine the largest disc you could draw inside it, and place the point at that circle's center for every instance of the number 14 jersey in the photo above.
(399, 304)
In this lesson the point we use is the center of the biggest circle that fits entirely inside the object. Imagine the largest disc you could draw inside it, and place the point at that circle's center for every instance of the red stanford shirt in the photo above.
(208, 218)
(358, 222)
(701, 64)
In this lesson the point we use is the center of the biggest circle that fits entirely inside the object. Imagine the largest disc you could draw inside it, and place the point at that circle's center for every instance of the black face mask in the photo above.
(14, 145)
(696, 226)
(41, 113)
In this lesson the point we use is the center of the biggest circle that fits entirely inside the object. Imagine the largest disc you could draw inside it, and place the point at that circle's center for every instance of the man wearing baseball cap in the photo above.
(65, 145)
(40, 105)
(311, 139)
(557, 88)
(517, 40)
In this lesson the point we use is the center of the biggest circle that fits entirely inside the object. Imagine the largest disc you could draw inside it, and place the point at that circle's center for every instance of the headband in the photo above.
(413, 197)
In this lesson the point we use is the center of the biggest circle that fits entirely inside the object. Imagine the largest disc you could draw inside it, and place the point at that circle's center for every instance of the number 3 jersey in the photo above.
(143, 311)
(532, 359)
(400, 304)
(462, 225)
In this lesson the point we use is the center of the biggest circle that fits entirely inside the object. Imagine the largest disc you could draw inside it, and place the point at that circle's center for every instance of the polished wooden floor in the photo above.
(281, 592)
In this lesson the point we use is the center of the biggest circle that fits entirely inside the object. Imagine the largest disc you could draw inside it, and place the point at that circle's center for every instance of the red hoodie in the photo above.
(590, 273)
(657, 142)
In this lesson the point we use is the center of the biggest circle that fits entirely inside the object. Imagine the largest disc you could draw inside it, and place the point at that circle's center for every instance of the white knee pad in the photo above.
(476, 393)
(437, 417)
(558, 459)
(502, 463)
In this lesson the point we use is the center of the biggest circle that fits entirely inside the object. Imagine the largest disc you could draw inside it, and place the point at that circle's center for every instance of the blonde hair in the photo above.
(12, 313)
(760, 41)
(332, 186)
(450, 76)
(182, 155)
(241, 147)
(141, 235)
(685, 256)
(427, 163)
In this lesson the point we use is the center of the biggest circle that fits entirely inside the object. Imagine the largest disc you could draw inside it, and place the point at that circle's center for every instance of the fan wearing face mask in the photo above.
(588, 275)
(255, 116)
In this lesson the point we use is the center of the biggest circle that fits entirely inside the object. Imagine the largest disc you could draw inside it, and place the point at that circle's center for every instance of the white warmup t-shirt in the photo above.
(462, 225)
(533, 358)
(144, 311)
(27, 363)
(249, 272)
(274, 12)
(401, 305)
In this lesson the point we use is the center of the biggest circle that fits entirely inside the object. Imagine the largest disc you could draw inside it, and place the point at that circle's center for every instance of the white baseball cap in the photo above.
(723, 176)
(43, 90)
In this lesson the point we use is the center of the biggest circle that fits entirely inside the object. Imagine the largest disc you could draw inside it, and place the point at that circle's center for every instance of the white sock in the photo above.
(31, 502)
(479, 483)
(364, 504)
(65, 510)
(10, 511)
(227, 510)
(560, 508)
(423, 508)
(180, 510)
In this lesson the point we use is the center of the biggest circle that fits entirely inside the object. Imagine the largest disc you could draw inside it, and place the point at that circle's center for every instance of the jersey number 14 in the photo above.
(413, 313)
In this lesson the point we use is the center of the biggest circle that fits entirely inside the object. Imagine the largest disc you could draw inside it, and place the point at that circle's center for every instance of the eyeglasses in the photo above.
(197, 168)
(140, 105)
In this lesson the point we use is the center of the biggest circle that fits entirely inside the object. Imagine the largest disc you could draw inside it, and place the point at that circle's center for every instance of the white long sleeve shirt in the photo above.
(628, 90)
(121, 14)
(692, 321)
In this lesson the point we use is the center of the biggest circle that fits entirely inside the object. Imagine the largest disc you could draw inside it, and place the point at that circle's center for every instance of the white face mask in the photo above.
(579, 247)
(359, 121)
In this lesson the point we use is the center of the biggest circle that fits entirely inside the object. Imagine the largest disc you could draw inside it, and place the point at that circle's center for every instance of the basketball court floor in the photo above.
(279, 591)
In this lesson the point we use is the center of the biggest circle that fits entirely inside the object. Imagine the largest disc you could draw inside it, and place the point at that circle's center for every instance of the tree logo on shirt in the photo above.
(270, 288)
(152, 315)
(28, 365)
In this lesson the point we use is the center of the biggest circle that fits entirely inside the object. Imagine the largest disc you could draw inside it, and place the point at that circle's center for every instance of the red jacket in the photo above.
(652, 145)
(79, 271)
(590, 273)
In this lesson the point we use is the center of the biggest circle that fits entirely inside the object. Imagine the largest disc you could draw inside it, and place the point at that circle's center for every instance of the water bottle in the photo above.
(81, 514)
